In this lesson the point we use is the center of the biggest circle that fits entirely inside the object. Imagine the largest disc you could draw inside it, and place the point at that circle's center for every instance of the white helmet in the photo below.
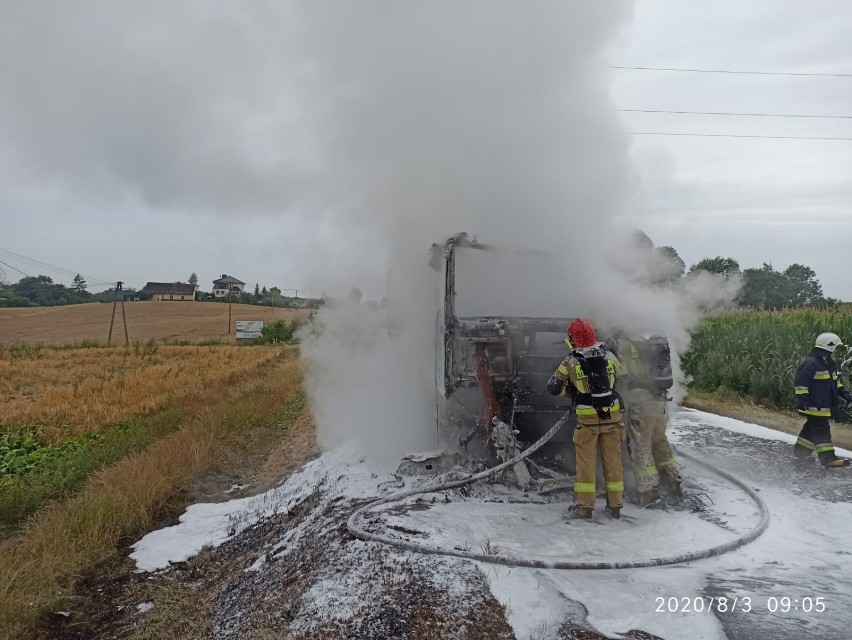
(828, 341)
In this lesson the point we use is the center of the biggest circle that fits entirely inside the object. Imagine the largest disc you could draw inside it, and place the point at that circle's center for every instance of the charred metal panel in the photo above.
(518, 355)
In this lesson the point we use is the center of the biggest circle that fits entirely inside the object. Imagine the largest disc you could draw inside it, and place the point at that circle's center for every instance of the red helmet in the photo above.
(582, 333)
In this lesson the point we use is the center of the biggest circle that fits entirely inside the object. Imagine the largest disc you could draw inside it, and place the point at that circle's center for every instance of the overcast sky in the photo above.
(141, 142)
(756, 200)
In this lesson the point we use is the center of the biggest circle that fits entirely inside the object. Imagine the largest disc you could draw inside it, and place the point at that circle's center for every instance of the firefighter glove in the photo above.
(554, 386)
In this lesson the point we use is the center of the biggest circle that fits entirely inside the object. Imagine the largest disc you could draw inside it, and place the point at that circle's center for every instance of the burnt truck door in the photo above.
(450, 371)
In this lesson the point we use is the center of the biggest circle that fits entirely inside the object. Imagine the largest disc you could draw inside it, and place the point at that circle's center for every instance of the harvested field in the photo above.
(195, 321)
(79, 390)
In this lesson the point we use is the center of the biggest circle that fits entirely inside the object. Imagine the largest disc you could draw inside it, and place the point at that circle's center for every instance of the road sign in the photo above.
(249, 329)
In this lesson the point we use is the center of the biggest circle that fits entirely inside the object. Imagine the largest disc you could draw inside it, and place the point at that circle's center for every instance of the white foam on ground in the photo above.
(805, 551)
(546, 533)
(211, 524)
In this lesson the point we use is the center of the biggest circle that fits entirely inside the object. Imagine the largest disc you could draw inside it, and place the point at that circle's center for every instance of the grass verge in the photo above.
(68, 540)
(60, 470)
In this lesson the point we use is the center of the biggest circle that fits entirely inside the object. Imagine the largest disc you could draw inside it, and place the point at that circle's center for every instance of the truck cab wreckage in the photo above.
(499, 422)
(491, 378)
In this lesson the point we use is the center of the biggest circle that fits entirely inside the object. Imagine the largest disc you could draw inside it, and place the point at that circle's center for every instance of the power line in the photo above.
(11, 255)
(731, 135)
(18, 270)
(42, 265)
(733, 113)
(737, 72)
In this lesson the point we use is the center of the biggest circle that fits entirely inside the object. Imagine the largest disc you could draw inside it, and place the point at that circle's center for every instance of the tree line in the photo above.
(763, 287)
(42, 291)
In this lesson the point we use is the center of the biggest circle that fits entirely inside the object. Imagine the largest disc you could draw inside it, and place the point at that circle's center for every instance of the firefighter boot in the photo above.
(580, 511)
(646, 497)
(837, 462)
(670, 481)
(614, 512)
(675, 490)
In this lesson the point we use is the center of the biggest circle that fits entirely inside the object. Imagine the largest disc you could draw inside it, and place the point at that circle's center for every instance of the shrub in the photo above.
(280, 332)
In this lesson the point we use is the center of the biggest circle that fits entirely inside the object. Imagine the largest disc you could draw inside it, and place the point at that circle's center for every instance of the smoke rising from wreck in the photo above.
(441, 117)
(490, 118)
(369, 130)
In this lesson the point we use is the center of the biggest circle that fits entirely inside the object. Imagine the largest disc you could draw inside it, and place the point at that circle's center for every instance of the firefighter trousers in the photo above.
(815, 437)
(652, 456)
(588, 440)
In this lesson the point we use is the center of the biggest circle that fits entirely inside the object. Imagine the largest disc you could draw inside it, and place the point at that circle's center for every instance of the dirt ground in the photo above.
(145, 320)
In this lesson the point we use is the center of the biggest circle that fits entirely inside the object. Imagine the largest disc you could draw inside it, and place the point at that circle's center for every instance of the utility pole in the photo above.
(230, 300)
(231, 290)
(119, 292)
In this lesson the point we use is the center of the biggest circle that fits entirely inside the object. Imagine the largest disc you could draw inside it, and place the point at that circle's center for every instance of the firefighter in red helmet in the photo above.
(589, 374)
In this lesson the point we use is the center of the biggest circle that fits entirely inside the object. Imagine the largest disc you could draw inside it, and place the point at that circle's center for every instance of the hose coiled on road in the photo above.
(354, 529)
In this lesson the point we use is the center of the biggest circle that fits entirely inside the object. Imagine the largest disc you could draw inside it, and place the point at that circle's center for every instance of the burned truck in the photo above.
(493, 369)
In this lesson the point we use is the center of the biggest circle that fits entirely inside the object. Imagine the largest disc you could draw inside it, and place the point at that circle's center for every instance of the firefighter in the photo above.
(818, 386)
(589, 374)
(647, 361)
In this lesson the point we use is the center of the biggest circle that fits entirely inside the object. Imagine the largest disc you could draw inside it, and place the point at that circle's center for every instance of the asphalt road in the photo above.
(798, 576)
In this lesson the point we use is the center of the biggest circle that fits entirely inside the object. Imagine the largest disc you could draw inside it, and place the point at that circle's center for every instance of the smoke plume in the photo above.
(362, 132)
(486, 117)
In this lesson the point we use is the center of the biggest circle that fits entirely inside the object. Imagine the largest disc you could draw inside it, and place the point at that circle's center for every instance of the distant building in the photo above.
(223, 285)
(171, 291)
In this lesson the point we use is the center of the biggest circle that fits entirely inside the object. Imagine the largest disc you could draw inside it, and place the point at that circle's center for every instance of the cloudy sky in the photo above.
(145, 141)
(778, 201)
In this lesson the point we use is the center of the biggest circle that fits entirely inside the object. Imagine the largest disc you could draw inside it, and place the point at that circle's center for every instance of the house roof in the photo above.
(226, 279)
(174, 288)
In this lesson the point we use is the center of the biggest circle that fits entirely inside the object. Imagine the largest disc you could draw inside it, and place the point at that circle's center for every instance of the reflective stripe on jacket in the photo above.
(818, 385)
(640, 384)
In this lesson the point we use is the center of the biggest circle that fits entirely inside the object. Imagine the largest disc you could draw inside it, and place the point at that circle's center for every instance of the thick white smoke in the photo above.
(486, 117)
(367, 130)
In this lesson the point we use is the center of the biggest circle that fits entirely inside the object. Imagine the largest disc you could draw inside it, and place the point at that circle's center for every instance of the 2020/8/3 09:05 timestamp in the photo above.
(772, 604)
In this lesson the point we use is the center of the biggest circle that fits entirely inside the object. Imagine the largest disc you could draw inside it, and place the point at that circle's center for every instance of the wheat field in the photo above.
(72, 391)
(146, 320)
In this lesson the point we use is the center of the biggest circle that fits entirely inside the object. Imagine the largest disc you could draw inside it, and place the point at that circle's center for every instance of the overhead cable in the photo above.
(18, 270)
(735, 113)
(737, 72)
(17, 257)
(732, 135)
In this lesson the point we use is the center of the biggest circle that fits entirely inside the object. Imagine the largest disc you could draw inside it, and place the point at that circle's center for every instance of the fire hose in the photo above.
(357, 531)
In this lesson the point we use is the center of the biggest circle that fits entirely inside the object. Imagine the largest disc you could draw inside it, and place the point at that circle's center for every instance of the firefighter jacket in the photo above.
(818, 385)
(570, 379)
(639, 385)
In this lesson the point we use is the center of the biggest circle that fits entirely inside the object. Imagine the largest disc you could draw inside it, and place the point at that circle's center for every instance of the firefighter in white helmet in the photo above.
(818, 387)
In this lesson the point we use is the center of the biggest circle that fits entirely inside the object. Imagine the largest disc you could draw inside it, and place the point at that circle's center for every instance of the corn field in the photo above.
(755, 353)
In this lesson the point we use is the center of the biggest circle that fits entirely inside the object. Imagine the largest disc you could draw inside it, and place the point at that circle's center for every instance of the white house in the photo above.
(222, 285)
